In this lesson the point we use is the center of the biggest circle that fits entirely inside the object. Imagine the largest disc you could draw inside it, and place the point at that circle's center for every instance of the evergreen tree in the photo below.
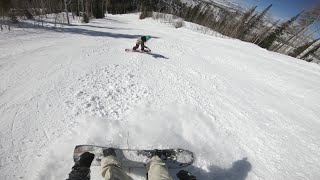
(146, 8)
(188, 14)
(206, 16)
(13, 17)
(255, 21)
(27, 13)
(122, 6)
(259, 37)
(225, 22)
(268, 41)
(5, 5)
(99, 9)
(194, 12)
(237, 30)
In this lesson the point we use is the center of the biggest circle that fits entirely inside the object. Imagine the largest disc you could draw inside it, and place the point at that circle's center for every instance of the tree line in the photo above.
(292, 37)
(34, 8)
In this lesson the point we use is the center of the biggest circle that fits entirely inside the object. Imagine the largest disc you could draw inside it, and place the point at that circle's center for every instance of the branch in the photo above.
(69, 2)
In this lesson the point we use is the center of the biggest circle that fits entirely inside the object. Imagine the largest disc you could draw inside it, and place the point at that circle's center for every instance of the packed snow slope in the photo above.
(245, 112)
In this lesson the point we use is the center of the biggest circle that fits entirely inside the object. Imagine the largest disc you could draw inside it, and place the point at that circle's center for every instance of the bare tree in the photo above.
(66, 9)
(302, 48)
(312, 33)
(310, 15)
(308, 19)
(292, 37)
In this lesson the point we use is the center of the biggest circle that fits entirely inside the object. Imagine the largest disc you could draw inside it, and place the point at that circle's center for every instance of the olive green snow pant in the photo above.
(111, 169)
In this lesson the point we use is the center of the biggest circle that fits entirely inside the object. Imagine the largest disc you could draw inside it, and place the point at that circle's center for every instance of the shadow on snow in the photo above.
(78, 30)
(238, 171)
(84, 25)
(155, 55)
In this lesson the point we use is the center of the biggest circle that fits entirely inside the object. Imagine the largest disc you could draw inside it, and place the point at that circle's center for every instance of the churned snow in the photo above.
(245, 112)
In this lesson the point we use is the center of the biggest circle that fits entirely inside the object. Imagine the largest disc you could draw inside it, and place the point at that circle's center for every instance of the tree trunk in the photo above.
(102, 8)
(91, 9)
(308, 49)
(79, 10)
(83, 14)
(66, 9)
(87, 8)
(107, 3)
(2, 20)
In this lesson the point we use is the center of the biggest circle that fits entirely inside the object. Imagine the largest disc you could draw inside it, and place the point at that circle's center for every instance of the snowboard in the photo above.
(131, 158)
(131, 50)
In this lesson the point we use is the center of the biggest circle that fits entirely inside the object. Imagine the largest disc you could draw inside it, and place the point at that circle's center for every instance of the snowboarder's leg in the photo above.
(111, 169)
(142, 46)
(157, 169)
(136, 47)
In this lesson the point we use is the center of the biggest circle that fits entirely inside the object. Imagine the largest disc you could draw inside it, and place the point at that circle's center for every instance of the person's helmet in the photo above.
(148, 37)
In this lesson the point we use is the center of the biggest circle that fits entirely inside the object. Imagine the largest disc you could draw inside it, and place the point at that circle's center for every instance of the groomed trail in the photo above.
(245, 112)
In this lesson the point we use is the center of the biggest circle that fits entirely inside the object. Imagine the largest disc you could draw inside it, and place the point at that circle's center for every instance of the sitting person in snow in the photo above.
(142, 41)
(111, 168)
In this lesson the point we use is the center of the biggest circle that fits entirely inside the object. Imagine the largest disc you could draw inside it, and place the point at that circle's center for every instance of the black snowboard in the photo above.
(131, 158)
(140, 51)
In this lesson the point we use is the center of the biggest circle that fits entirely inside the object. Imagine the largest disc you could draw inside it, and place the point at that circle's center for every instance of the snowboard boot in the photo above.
(85, 160)
(185, 175)
(152, 153)
(109, 152)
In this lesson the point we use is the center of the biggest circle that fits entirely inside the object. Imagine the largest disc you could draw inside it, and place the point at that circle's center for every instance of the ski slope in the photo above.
(245, 112)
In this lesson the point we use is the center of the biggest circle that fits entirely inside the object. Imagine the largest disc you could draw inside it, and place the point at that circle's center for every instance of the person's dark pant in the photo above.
(137, 46)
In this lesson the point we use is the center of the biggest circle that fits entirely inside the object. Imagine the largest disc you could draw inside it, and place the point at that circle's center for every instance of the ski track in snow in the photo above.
(245, 112)
(107, 92)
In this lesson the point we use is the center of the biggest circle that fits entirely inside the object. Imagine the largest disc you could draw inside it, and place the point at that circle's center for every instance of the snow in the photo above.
(245, 112)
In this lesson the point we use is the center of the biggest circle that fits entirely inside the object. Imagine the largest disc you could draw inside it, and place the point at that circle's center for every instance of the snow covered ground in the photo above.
(245, 112)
